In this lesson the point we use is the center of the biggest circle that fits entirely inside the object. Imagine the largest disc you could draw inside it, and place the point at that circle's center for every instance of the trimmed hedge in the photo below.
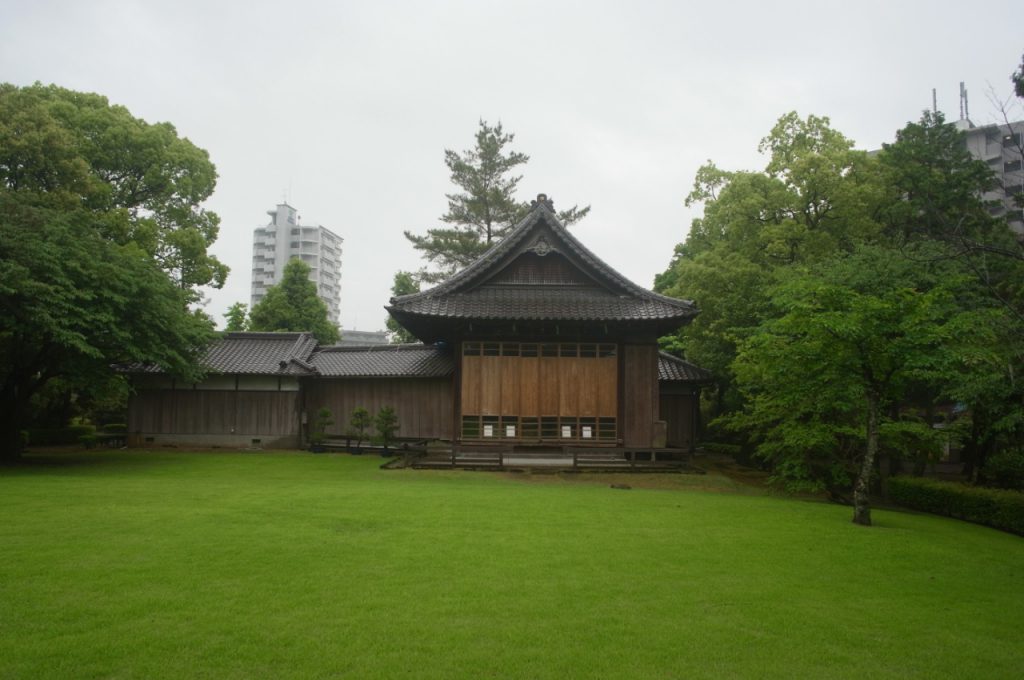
(59, 435)
(992, 507)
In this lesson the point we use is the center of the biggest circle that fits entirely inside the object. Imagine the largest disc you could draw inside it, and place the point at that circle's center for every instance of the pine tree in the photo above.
(485, 209)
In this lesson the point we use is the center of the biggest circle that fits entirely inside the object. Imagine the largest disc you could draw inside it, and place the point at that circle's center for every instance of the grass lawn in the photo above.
(268, 565)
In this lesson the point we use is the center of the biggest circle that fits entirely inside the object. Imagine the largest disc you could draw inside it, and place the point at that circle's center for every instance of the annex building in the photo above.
(538, 343)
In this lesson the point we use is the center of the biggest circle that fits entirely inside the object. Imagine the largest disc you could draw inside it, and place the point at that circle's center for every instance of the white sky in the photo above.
(346, 108)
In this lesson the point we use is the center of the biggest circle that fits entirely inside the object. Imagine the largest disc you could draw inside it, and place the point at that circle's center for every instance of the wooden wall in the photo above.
(423, 405)
(678, 411)
(539, 386)
(213, 412)
(639, 394)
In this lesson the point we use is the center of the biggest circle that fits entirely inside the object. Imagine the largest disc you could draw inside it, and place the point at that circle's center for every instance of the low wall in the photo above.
(227, 441)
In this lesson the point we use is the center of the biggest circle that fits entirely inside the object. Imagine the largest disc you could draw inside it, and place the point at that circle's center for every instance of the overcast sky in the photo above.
(345, 108)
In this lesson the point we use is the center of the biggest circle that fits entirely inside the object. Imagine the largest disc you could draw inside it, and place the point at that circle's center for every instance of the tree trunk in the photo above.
(861, 489)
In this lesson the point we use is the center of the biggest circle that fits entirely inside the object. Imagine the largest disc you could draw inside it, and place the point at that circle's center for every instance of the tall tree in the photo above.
(237, 317)
(941, 203)
(816, 197)
(854, 333)
(484, 210)
(405, 284)
(293, 305)
(140, 182)
(102, 246)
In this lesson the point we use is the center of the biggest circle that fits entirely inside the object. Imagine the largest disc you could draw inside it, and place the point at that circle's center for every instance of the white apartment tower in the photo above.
(1000, 146)
(283, 239)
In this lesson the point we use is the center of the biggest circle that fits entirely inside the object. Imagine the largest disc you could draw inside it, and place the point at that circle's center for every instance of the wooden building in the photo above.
(551, 345)
(537, 343)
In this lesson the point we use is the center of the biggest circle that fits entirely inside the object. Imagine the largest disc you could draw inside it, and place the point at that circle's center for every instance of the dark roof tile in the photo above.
(384, 361)
(674, 369)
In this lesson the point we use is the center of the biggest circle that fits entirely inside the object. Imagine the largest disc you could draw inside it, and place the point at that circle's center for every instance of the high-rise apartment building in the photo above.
(284, 238)
(1001, 147)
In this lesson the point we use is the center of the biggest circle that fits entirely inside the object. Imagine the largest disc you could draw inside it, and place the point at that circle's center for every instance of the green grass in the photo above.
(217, 565)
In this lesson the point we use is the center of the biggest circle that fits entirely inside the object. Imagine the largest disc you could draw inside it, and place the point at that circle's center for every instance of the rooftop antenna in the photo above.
(963, 101)
(935, 102)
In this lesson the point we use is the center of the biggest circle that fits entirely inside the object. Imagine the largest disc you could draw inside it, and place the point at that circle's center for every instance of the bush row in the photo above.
(993, 507)
(57, 436)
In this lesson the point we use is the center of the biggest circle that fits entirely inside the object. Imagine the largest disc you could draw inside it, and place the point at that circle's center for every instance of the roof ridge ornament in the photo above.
(542, 199)
(541, 247)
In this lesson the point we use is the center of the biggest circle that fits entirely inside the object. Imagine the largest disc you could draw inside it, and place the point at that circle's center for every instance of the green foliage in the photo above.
(1017, 78)
(102, 248)
(386, 424)
(137, 182)
(1005, 470)
(358, 423)
(992, 507)
(405, 284)
(59, 436)
(484, 209)
(237, 317)
(293, 305)
(853, 336)
(816, 198)
(324, 419)
(827, 284)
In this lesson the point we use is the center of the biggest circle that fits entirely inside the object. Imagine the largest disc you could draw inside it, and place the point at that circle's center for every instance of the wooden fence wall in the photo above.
(423, 405)
(210, 412)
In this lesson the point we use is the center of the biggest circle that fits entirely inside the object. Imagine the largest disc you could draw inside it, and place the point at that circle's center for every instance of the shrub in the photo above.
(115, 428)
(1005, 470)
(58, 436)
(88, 440)
(386, 423)
(324, 419)
(358, 423)
(992, 507)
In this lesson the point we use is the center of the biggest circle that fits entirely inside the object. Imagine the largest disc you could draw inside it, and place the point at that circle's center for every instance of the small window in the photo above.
(568, 349)
(295, 232)
(549, 349)
(471, 349)
(530, 428)
(510, 349)
(587, 431)
(510, 431)
(588, 351)
(1011, 166)
(1011, 140)
(294, 245)
(606, 350)
(470, 427)
(566, 431)
(549, 428)
(528, 349)
(491, 349)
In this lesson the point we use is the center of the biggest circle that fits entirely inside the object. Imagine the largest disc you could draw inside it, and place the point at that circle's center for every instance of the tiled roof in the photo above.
(674, 369)
(384, 361)
(542, 303)
(468, 295)
(254, 354)
(262, 353)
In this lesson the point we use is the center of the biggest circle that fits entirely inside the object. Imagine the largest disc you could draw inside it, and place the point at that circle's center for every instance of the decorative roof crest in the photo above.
(541, 247)
(542, 199)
